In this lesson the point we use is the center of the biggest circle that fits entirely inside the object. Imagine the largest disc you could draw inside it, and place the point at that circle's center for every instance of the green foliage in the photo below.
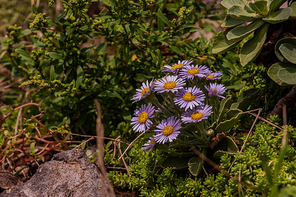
(258, 15)
(283, 72)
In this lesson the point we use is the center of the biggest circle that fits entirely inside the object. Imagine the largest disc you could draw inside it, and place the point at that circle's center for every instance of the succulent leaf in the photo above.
(252, 48)
(228, 146)
(259, 7)
(242, 31)
(278, 16)
(279, 43)
(273, 72)
(275, 4)
(288, 50)
(229, 3)
(175, 162)
(221, 44)
(288, 75)
(244, 99)
(232, 22)
(195, 165)
(293, 12)
(240, 13)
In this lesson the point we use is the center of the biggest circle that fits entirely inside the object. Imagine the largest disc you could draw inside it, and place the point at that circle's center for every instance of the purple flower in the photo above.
(149, 144)
(216, 89)
(142, 120)
(190, 71)
(189, 97)
(176, 67)
(145, 90)
(169, 84)
(167, 130)
(197, 114)
(213, 76)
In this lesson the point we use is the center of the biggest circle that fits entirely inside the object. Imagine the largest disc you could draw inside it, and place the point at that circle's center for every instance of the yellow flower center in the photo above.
(215, 90)
(196, 115)
(170, 85)
(210, 76)
(188, 96)
(152, 142)
(168, 130)
(176, 66)
(144, 91)
(142, 118)
(193, 71)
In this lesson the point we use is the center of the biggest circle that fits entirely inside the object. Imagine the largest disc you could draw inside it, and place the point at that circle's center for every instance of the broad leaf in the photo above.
(175, 162)
(278, 16)
(259, 7)
(229, 3)
(238, 12)
(242, 31)
(244, 99)
(279, 43)
(288, 50)
(252, 48)
(227, 146)
(224, 106)
(288, 75)
(293, 12)
(226, 125)
(221, 44)
(195, 165)
(232, 22)
(273, 72)
(275, 4)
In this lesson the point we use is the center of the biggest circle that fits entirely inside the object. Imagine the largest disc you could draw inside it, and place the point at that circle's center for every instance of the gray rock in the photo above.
(69, 173)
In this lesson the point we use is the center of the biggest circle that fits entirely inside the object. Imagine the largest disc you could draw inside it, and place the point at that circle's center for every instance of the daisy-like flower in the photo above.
(149, 144)
(214, 75)
(145, 90)
(190, 71)
(169, 84)
(197, 114)
(142, 120)
(167, 130)
(176, 67)
(189, 97)
(216, 89)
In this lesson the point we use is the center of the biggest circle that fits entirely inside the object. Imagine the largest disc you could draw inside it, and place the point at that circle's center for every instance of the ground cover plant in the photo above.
(159, 88)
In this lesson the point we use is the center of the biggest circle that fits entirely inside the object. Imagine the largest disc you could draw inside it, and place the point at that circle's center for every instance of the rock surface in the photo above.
(69, 173)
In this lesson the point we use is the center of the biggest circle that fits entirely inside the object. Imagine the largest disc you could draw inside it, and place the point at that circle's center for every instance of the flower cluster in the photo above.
(188, 95)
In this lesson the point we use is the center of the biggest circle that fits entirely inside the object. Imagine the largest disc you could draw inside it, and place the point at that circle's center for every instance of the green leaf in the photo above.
(244, 99)
(55, 55)
(176, 50)
(195, 165)
(274, 5)
(238, 12)
(242, 31)
(175, 162)
(252, 48)
(229, 3)
(288, 75)
(60, 16)
(34, 9)
(279, 16)
(293, 12)
(232, 22)
(259, 7)
(227, 146)
(221, 44)
(25, 56)
(226, 125)
(273, 72)
(288, 50)
(79, 82)
(102, 47)
(224, 106)
(162, 17)
(279, 43)
(52, 73)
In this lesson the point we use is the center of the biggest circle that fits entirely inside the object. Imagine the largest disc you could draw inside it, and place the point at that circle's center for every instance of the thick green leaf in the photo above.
(252, 48)
(278, 16)
(226, 125)
(288, 75)
(232, 113)
(232, 22)
(244, 99)
(221, 44)
(275, 4)
(195, 165)
(242, 31)
(288, 50)
(175, 162)
(238, 12)
(259, 7)
(224, 106)
(273, 72)
(229, 3)
(227, 146)
(293, 12)
(279, 43)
